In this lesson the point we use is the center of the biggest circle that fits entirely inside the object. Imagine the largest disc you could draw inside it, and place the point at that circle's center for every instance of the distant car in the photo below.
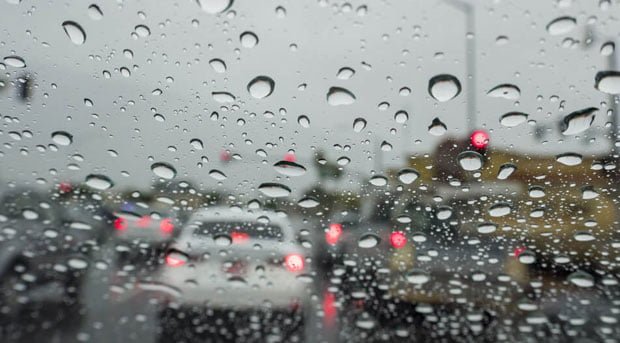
(142, 234)
(230, 266)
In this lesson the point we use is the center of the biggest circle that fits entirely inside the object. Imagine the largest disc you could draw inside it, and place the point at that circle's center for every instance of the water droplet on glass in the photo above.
(75, 32)
(505, 170)
(289, 168)
(77, 263)
(345, 73)
(470, 160)
(218, 65)
(337, 96)
(407, 176)
(569, 159)
(401, 117)
(444, 212)
(308, 202)
(485, 228)
(261, 87)
(512, 119)
(217, 175)
(274, 190)
(608, 48)
(583, 236)
(214, 6)
(343, 161)
(578, 121)
(561, 26)
(14, 61)
(506, 91)
(196, 144)
(417, 277)
(536, 192)
(588, 193)
(163, 170)
(94, 12)
(98, 182)
(581, 279)
(608, 82)
(369, 240)
(304, 121)
(359, 124)
(378, 181)
(444, 87)
(223, 240)
(499, 210)
(62, 138)
(437, 128)
(142, 30)
(248, 39)
(527, 257)
(223, 97)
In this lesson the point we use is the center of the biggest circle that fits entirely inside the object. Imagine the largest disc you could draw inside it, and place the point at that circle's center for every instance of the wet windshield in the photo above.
(309, 171)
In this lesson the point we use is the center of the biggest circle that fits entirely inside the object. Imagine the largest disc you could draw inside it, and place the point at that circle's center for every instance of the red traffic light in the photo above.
(479, 139)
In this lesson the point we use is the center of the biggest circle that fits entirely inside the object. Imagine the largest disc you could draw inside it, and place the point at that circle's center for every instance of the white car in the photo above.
(237, 275)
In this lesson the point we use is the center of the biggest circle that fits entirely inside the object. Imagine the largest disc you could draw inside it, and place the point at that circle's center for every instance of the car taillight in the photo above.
(333, 234)
(120, 224)
(175, 259)
(239, 237)
(166, 226)
(294, 262)
(479, 139)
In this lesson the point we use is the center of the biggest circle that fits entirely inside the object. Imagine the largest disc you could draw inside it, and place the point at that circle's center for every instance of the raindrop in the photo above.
(98, 182)
(506, 91)
(223, 97)
(75, 32)
(378, 180)
(217, 175)
(437, 128)
(505, 170)
(401, 117)
(417, 277)
(527, 257)
(62, 138)
(15, 61)
(578, 121)
(94, 12)
(608, 48)
(608, 82)
(581, 279)
(485, 228)
(248, 39)
(261, 87)
(499, 210)
(289, 168)
(561, 26)
(30, 214)
(222, 240)
(369, 240)
(359, 124)
(588, 193)
(407, 176)
(536, 192)
(274, 190)
(163, 170)
(444, 87)
(569, 159)
(444, 212)
(214, 6)
(345, 73)
(343, 161)
(512, 119)
(337, 96)
(583, 236)
(308, 202)
(196, 144)
(470, 160)
(77, 263)
(218, 65)
(142, 30)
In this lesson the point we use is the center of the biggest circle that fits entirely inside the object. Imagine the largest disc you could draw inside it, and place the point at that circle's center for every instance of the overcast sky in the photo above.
(392, 44)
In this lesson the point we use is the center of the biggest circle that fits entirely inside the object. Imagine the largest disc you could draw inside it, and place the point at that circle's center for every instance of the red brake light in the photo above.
(166, 226)
(239, 237)
(120, 224)
(518, 251)
(398, 239)
(175, 259)
(479, 139)
(294, 262)
(333, 234)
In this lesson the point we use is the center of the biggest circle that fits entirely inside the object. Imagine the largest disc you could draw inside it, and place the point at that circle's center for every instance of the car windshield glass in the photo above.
(237, 230)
